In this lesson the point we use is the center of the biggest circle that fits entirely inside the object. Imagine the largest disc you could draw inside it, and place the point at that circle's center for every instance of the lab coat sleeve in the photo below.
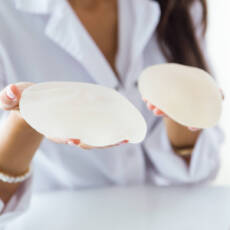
(18, 203)
(168, 167)
(171, 169)
(20, 200)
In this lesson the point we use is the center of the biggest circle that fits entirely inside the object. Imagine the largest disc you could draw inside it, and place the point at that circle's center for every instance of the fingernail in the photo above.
(10, 94)
(125, 141)
(71, 143)
(76, 141)
(155, 111)
(193, 129)
(150, 106)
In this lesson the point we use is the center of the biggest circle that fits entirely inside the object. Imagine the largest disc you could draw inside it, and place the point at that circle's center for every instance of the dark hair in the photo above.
(176, 32)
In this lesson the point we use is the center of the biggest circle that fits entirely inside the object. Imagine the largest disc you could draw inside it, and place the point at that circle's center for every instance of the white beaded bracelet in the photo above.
(13, 180)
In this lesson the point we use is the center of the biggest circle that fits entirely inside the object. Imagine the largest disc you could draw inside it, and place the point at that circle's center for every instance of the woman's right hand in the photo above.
(9, 101)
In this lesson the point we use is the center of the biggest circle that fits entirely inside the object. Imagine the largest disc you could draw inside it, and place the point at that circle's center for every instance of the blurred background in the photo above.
(218, 41)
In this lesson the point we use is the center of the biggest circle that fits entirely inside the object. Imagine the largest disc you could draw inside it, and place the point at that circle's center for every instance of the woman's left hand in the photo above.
(158, 112)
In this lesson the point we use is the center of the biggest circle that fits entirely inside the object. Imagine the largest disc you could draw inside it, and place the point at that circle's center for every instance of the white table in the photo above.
(134, 208)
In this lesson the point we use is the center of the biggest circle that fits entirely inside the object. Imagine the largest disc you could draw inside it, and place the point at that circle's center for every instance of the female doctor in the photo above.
(107, 42)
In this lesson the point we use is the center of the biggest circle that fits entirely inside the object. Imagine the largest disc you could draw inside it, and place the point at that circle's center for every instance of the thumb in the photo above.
(10, 96)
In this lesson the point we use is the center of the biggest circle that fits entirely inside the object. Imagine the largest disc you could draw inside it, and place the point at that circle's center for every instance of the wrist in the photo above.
(17, 120)
(15, 179)
(183, 151)
(19, 142)
(180, 136)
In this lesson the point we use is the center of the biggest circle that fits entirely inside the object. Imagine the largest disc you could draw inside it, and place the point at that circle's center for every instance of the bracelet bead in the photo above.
(12, 179)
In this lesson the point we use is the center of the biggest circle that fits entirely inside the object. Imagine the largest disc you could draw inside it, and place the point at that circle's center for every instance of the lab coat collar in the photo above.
(147, 14)
(66, 31)
(36, 6)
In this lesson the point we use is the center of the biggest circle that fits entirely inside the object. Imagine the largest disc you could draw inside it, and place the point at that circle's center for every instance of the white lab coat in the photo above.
(43, 40)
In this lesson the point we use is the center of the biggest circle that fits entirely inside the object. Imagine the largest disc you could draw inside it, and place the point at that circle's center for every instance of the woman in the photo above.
(107, 42)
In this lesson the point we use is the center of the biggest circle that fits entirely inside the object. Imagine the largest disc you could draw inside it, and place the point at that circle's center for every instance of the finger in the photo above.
(193, 129)
(119, 143)
(88, 147)
(158, 112)
(9, 97)
(222, 94)
(65, 141)
(150, 106)
(75, 142)
(57, 140)
(145, 100)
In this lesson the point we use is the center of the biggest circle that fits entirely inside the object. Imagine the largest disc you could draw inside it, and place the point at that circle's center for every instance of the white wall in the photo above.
(219, 52)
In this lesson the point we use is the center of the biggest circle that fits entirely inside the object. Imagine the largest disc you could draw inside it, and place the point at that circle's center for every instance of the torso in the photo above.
(53, 46)
(101, 22)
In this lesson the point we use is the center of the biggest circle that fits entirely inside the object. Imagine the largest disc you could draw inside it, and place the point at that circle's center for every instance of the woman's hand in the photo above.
(158, 112)
(9, 101)
(77, 142)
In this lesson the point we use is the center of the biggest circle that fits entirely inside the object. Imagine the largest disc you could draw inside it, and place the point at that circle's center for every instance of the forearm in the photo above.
(179, 135)
(18, 145)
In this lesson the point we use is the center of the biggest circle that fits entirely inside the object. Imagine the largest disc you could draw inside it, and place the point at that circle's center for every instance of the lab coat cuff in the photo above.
(18, 203)
(204, 159)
